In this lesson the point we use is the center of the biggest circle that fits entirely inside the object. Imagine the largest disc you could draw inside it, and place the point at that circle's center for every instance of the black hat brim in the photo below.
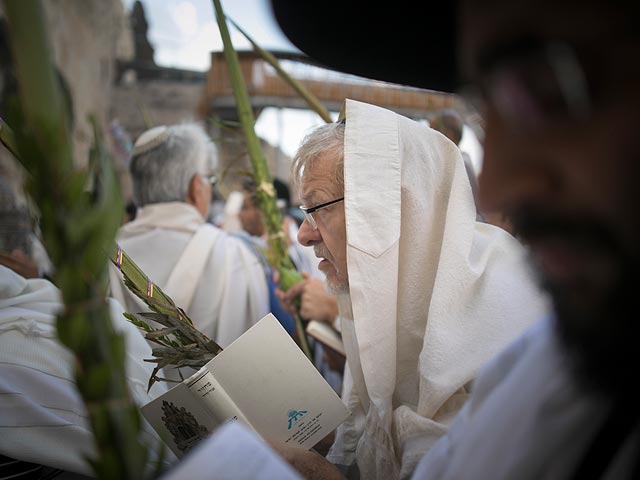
(391, 41)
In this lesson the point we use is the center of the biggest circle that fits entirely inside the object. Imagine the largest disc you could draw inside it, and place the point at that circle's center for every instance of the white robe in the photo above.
(230, 295)
(527, 419)
(42, 416)
(433, 293)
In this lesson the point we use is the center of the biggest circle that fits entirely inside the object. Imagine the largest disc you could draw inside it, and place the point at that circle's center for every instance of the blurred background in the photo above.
(137, 64)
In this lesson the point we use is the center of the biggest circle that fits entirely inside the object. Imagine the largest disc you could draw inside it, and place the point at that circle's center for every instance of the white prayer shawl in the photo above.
(223, 278)
(232, 208)
(42, 416)
(433, 293)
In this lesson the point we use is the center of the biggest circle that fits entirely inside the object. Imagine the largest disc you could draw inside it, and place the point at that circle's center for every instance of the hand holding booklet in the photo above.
(327, 335)
(262, 380)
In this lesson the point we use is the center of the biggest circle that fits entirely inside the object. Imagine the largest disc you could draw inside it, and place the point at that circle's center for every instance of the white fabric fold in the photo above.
(42, 416)
(185, 276)
(434, 294)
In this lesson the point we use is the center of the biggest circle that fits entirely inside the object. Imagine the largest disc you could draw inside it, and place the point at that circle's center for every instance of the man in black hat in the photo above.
(557, 84)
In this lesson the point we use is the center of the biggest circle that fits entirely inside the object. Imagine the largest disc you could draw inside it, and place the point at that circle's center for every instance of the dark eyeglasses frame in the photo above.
(571, 82)
(210, 179)
(307, 211)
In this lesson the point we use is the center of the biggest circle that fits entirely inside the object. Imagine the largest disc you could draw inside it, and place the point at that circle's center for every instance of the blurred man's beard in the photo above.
(595, 319)
(603, 336)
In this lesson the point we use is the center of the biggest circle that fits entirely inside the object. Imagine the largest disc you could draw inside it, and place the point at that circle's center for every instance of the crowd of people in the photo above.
(488, 327)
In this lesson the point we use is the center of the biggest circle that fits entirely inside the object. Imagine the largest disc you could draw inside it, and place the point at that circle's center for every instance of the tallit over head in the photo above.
(433, 293)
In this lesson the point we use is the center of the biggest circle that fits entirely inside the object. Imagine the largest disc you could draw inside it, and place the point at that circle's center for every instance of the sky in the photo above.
(184, 32)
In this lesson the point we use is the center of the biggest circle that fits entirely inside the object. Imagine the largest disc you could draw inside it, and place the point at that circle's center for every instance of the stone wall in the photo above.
(93, 48)
(86, 38)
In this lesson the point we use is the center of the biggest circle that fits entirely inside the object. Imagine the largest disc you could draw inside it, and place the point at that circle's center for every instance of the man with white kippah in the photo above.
(210, 274)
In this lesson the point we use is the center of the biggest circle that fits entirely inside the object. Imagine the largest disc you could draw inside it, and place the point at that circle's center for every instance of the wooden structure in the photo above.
(267, 89)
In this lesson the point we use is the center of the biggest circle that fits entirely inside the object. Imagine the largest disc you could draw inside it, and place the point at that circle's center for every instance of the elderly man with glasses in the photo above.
(209, 273)
(558, 80)
(557, 85)
(426, 293)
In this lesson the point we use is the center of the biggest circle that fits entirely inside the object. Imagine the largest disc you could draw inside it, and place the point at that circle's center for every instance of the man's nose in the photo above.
(514, 171)
(307, 236)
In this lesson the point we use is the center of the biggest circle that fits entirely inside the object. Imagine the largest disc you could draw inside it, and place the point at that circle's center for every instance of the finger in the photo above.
(19, 254)
(289, 307)
(295, 291)
(8, 262)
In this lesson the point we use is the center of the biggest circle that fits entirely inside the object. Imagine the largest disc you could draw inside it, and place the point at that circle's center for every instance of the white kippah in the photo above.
(150, 139)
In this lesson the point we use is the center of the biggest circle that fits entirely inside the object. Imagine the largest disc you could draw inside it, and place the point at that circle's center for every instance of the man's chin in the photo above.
(336, 286)
(580, 298)
(596, 324)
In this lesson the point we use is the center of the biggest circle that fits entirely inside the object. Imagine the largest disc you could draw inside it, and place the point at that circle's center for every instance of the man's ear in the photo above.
(193, 193)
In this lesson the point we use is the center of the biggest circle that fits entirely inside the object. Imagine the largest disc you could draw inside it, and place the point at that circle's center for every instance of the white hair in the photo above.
(326, 139)
(165, 159)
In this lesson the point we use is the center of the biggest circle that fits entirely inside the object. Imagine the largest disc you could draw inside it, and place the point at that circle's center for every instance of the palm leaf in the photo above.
(265, 191)
(312, 101)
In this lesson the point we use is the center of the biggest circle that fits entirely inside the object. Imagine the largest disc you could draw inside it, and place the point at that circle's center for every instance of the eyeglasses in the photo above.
(210, 179)
(308, 211)
(532, 89)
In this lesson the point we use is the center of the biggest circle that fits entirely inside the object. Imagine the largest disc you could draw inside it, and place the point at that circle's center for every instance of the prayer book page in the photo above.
(262, 380)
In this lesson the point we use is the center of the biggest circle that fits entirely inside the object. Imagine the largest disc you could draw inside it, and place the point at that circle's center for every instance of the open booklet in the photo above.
(262, 380)
(327, 335)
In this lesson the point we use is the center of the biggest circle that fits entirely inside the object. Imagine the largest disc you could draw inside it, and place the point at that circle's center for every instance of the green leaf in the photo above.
(75, 229)
(312, 101)
(265, 192)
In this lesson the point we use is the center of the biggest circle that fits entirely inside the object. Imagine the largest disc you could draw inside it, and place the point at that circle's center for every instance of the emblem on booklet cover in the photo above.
(294, 415)
(183, 426)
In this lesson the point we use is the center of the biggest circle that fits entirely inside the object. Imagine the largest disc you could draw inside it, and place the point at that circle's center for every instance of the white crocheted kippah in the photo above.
(150, 139)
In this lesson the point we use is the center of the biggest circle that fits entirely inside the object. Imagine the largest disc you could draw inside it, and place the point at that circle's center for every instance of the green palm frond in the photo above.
(312, 101)
(265, 191)
(76, 228)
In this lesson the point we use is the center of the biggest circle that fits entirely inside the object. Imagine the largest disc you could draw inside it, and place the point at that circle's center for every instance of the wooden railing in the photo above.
(266, 88)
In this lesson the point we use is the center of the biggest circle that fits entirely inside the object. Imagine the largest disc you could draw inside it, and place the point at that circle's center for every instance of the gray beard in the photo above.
(335, 289)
